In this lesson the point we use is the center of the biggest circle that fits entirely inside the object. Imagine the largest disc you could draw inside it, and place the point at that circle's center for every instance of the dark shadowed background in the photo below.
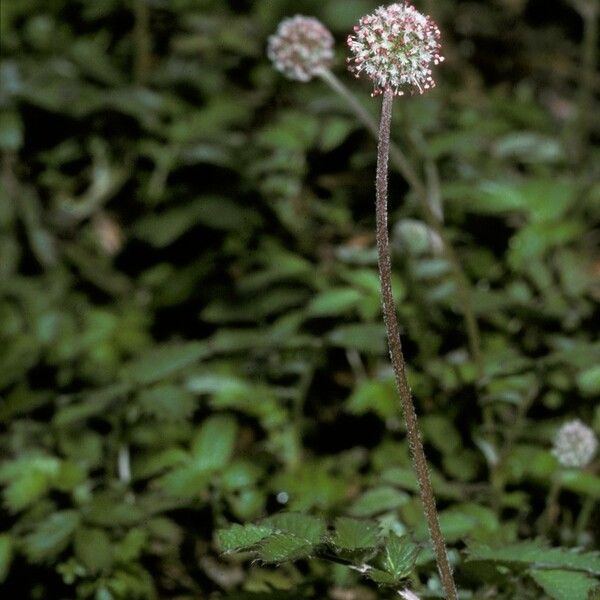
(190, 323)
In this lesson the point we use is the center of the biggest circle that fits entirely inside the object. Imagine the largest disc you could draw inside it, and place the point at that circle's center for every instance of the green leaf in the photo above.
(380, 576)
(27, 479)
(311, 485)
(440, 431)
(185, 481)
(213, 446)
(163, 361)
(306, 527)
(588, 381)
(215, 212)
(135, 541)
(543, 199)
(364, 337)
(294, 130)
(580, 482)
(6, 554)
(167, 402)
(379, 397)
(11, 131)
(399, 557)
(241, 537)
(93, 549)
(52, 536)
(564, 585)
(535, 554)
(378, 500)
(354, 534)
(284, 547)
(334, 302)
(334, 132)
(95, 403)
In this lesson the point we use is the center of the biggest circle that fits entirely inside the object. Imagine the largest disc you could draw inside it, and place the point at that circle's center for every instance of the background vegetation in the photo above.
(190, 324)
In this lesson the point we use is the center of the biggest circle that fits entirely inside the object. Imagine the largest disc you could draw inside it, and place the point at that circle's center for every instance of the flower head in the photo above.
(395, 47)
(301, 47)
(575, 444)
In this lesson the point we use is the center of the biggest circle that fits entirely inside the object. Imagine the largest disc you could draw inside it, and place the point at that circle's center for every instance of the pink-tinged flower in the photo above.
(301, 48)
(396, 47)
(575, 444)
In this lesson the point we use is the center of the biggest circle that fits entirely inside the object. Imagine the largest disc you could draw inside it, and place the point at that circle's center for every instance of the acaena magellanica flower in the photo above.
(575, 444)
(396, 47)
(301, 48)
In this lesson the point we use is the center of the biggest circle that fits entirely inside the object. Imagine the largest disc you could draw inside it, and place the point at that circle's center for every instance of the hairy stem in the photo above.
(431, 216)
(396, 356)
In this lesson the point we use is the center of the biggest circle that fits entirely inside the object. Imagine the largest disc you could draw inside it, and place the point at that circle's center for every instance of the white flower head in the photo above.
(575, 444)
(396, 47)
(301, 47)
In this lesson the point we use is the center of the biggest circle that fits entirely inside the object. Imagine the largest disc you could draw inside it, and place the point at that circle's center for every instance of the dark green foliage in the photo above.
(195, 393)
(356, 542)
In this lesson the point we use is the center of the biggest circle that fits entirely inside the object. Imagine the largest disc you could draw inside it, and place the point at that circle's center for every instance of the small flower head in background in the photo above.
(301, 48)
(575, 444)
(395, 47)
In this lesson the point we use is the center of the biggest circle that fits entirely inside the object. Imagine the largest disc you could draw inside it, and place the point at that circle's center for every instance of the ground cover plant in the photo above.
(196, 394)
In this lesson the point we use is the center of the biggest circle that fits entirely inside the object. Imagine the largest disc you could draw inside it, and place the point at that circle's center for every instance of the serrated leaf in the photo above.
(399, 557)
(305, 527)
(380, 576)
(564, 585)
(241, 537)
(535, 554)
(284, 546)
(52, 536)
(354, 534)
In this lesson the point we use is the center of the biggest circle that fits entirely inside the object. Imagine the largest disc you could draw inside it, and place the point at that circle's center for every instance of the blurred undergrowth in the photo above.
(190, 319)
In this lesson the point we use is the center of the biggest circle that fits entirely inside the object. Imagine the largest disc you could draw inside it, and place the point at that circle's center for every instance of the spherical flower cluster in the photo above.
(395, 47)
(575, 444)
(301, 48)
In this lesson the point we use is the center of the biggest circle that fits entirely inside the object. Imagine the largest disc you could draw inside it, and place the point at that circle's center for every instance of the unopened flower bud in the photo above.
(301, 48)
(575, 444)
(395, 47)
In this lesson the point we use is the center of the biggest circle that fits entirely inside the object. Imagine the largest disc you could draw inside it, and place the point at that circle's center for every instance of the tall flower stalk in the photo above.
(401, 163)
(302, 49)
(395, 47)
